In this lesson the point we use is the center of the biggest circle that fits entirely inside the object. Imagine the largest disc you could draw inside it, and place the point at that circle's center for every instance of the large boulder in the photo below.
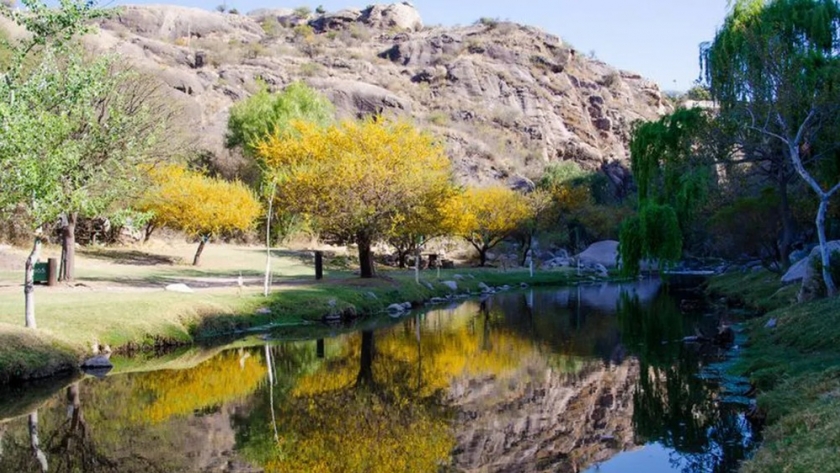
(359, 98)
(401, 16)
(602, 252)
(800, 270)
(335, 20)
(170, 22)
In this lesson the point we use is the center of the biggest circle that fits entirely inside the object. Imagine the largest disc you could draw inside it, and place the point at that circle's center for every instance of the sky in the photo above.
(659, 39)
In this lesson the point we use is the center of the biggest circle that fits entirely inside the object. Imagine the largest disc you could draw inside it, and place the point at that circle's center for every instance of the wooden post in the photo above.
(319, 347)
(52, 272)
(319, 265)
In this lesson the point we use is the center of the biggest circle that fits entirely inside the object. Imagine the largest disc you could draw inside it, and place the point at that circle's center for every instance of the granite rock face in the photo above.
(506, 99)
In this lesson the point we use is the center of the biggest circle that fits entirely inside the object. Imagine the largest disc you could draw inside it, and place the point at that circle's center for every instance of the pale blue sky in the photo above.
(656, 38)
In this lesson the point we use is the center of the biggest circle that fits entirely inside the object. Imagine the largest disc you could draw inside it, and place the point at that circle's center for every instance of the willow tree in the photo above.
(358, 179)
(777, 65)
(672, 168)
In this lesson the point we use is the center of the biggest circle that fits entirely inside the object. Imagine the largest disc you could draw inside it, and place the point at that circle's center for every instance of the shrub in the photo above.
(439, 118)
(303, 11)
(310, 69)
(611, 80)
(488, 22)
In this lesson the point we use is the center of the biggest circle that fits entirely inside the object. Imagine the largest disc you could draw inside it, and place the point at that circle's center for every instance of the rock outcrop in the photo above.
(507, 99)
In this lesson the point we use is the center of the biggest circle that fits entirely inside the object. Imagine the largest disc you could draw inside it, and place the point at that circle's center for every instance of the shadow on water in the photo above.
(541, 380)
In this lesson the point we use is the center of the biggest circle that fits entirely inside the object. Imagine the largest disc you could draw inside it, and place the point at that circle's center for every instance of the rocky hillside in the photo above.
(508, 99)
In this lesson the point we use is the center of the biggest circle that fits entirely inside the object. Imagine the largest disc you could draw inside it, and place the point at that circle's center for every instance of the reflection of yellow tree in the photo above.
(359, 430)
(226, 377)
(336, 419)
(463, 346)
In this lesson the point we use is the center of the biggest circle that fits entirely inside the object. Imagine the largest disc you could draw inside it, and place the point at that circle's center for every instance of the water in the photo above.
(583, 379)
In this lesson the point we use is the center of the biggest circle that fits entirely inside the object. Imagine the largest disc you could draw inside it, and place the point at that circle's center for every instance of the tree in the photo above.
(81, 125)
(200, 206)
(776, 65)
(356, 180)
(486, 216)
(542, 213)
(672, 168)
(36, 113)
(265, 114)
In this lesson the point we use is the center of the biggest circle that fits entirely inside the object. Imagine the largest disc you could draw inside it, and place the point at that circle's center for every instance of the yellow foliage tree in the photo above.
(486, 216)
(200, 206)
(358, 181)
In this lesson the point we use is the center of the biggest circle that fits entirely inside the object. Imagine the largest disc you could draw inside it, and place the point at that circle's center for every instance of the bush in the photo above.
(488, 22)
(303, 11)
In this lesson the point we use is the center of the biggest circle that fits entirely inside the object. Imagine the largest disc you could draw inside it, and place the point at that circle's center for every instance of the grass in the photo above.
(28, 354)
(119, 300)
(759, 291)
(796, 367)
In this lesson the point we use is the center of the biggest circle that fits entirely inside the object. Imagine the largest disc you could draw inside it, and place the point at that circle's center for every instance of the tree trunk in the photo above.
(482, 256)
(366, 265)
(526, 247)
(147, 232)
(417, 264)
(401, 257)
(830, 287)
(29, 284)
(68, 248)
(35, 443)
(365, 376)
(786, 240)
(197, 259)
(267, 282)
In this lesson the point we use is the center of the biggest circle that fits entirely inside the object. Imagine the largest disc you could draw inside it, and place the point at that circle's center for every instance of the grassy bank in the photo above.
(124, 304)
(796, 367)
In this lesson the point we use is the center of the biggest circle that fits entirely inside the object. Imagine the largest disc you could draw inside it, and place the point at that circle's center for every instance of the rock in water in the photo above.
(97, 362)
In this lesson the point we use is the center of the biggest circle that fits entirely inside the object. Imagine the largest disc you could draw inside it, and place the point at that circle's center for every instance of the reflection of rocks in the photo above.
(209, 442)
(545, 420)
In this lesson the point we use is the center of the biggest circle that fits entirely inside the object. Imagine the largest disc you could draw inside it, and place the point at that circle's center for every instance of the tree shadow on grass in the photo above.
(130, 257)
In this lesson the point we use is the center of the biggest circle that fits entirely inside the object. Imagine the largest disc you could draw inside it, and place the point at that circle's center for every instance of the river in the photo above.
(584, 379)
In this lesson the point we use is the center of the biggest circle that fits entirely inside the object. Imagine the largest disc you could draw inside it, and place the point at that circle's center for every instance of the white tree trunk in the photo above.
(35, 443)
(417, 265)
(267, 281)
(796, 160)
(29, 284)
(830, 287)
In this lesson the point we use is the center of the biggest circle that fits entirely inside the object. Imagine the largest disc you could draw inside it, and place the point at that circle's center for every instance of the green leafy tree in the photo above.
(41, 107)
(775, 65)
(672, 168)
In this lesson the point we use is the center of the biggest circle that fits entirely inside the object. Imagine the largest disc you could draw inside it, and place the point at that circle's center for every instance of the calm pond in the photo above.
(588, 379)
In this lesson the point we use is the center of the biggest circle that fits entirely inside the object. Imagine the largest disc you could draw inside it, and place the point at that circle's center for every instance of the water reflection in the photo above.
(673, 406)
(530, 381)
